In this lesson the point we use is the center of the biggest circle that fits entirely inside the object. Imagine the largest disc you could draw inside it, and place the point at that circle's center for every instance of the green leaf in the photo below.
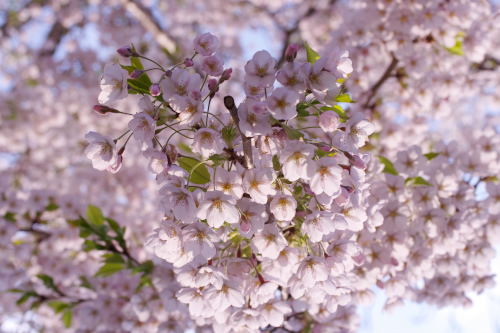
(276, 164)
(109, 269)
(89, 245)
(94, 215)
(389, 167)
(417, 181)
(113, 258)
(9, 216)
(457, 49)
(26, 296)
(292, 133)
(431, 156)
(217, 159)
(139, 85)
(57, 306)
(344, 98)
(67, 318)
(146, 268)
(51, 207)
(85, 282)
(200, 175)
(115, 227)
(302, 110)
(338, 110)
(47, 281)
(312, 55)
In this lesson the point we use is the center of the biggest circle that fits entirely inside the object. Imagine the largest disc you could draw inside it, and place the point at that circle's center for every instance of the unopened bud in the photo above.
(168, 73)
(188, 62)
(358, 162)
(155, 90)
(291, 52)
(137, 73)
(121, 151)
(226, 75)
(126, 51)
(212, 86)
(103, 109)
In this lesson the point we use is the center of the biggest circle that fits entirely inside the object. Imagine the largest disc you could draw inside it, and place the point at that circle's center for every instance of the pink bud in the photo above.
(137, 73)
(380, 284)
(394, 262)
(126, 51)
(358, 162)
(359, 259)
(155, 89)
(188, 62)
(212, 84)
(291, 52)
(196, 94)
(103, 109)
(115, 168)
(168, 73)
(226, 75)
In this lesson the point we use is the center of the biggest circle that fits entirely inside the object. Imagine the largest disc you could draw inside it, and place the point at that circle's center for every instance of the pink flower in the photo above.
(282, 103)
(198, 239)
(254, 118)
(283, 207)
(207, 142)
(180, 83)
(260, 70)
(329, 121)
(296, 160)
(205, 44)
(218, 208)
(113, 84)
(270, 242)
(101, 150)
(326, 177)
(143, 127)
(213, 65)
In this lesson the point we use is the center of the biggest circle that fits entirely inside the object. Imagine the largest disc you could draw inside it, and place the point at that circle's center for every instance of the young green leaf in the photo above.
(312, 55)
(199, 175)
(389, 167)
(94, 215)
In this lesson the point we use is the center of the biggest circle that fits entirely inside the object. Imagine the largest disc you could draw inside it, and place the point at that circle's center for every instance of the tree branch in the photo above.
(381, 81)
(143, 15)
(247, 142)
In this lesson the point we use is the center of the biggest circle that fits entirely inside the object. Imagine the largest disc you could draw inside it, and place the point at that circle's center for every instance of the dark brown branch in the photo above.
(380, 82)
(146, 19)
(247, 142)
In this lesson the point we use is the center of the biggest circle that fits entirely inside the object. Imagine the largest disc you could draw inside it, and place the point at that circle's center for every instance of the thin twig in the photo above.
(247, 142)
(381, 81)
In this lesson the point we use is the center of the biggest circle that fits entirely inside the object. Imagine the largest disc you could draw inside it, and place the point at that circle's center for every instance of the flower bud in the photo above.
(103, 109)
(126, 51)
(226, 75)
(212, 84)
(196, 94)
(358, 162)
(137, 73)
(155, 89)
(188, 62)
(291, 52)
(168, 73)
(115, 168)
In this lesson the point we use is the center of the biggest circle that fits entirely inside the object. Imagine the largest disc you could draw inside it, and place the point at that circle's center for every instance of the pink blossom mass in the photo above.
(245, 166)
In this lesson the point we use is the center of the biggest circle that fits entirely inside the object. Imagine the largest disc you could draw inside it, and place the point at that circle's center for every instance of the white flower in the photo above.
(228, 295)
(329, 121)
(207, 142)
(101, 150)
(254, 118)
(180, 83)
(113, 84)
(218, 208)
(253, 217)
(213, 65)
(339, 64)
(296, 159)
(321, 223)
(355, 217)
(228, 182)
(190, 107)
(269, 242)
(282, 103)
(327, 177)
(311, 270)
(273, 312)
(180, 201)
(205, 44)
(166, 239)
(355, 135)
(143, 127)
(198, 238)
(157, 160)
(283, 207)
(260, 70)
(146, 106)
(209, 275)
(292, 77)
(258, 183)
(194, 298)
